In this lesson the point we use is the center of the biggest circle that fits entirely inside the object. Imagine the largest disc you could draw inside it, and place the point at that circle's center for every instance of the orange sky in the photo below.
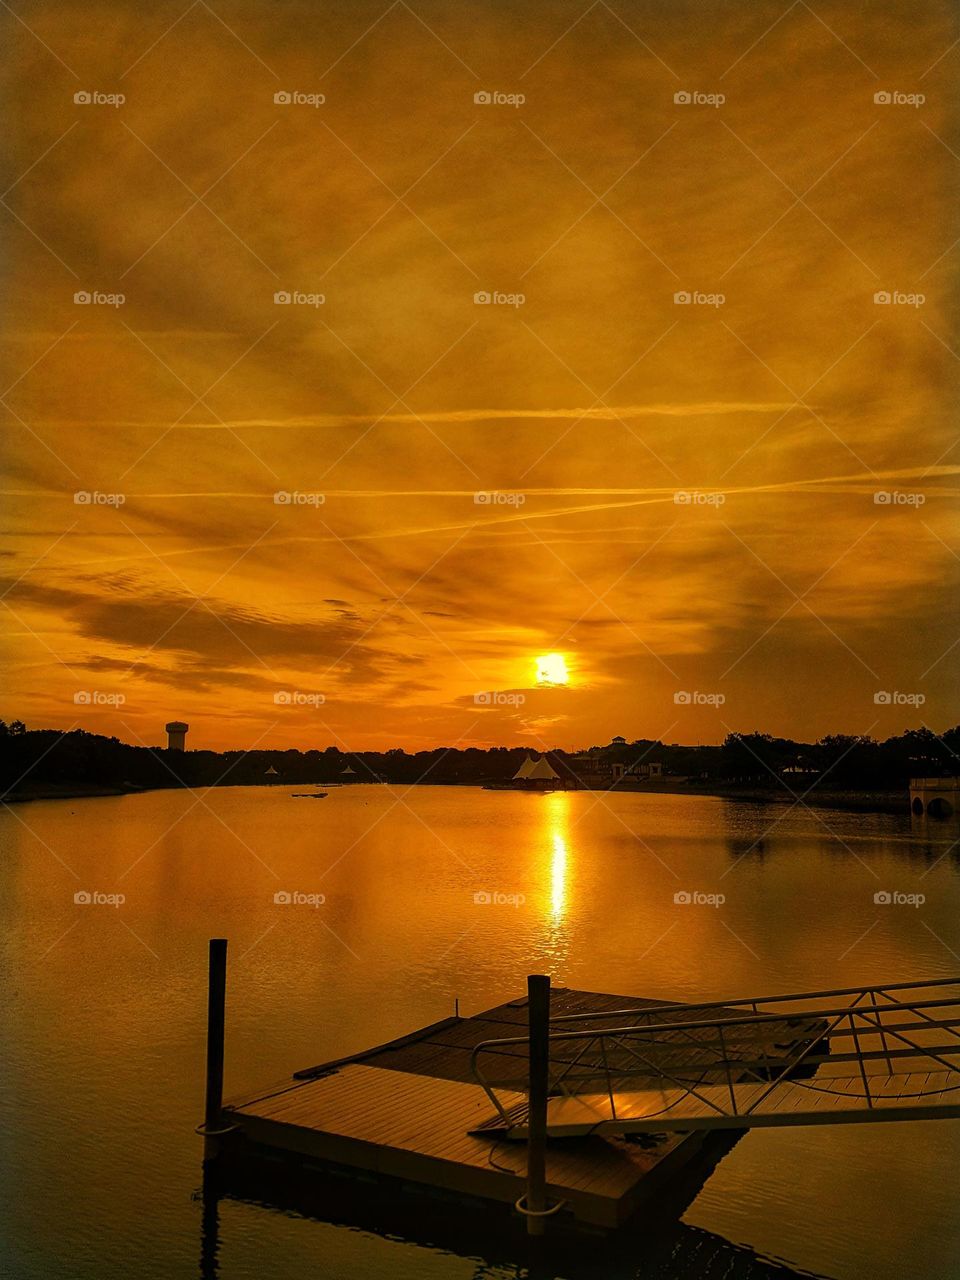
(589, 408)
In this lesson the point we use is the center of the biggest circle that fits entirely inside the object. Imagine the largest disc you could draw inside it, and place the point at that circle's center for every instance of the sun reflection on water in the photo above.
(558, 815)
(558, 875)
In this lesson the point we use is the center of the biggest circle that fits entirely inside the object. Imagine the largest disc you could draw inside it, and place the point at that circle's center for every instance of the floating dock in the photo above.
(413, 1113)
(580, 1107)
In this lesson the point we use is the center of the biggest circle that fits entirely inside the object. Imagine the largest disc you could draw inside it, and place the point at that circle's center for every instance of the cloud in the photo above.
(397, 399)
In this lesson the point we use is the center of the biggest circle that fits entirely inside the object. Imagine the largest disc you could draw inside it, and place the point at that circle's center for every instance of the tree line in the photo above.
(32, 758)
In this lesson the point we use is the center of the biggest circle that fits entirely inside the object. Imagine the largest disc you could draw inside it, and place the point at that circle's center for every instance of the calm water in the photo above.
(106, 1003)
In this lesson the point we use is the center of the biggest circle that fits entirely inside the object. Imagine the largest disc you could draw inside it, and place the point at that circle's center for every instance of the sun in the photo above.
(552, 669)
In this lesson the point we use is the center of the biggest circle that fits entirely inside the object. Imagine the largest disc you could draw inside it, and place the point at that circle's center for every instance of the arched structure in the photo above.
(934, 797)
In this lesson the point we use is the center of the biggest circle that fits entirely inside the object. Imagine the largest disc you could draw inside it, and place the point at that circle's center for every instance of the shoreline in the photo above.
(74, 791)
(895, 802)
(857, 801)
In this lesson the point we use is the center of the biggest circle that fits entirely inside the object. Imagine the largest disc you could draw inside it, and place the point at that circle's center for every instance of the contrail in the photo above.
(599, 413)
(630, 498)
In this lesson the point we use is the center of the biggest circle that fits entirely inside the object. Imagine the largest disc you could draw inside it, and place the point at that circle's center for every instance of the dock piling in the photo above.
(216, 1014)
(538, 1011)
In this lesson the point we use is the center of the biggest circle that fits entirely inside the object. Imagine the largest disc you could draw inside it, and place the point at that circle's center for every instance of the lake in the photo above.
(430, 895)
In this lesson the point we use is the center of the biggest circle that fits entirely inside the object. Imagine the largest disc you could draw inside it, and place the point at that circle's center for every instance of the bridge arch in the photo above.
(939, 807)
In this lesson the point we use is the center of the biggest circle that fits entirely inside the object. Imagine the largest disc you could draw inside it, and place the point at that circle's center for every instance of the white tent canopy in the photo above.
(543, 771)
(536, 771)
(524, 770)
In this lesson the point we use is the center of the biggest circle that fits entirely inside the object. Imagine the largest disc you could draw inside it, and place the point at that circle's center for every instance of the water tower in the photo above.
(176, 735)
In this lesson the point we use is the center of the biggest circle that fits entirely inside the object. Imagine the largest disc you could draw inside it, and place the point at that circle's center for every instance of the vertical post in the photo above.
(726, 1062)
(216, 1006)
(538, 1008)
(210, 1225)
(863, 1070)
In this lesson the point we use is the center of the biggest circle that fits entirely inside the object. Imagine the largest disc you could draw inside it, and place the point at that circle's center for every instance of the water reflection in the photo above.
(920, 839)
(558, 875)
(934, 830)
(558, 814)
(399, 934)
(490, 1245)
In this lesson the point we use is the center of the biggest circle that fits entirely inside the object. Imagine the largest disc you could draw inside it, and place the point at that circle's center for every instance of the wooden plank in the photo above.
(422, 1033)
(285, 1085)
(438, 1132)
(949, 1084)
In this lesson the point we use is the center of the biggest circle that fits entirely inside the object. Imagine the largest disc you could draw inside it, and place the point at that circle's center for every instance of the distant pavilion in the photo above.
(536, 775)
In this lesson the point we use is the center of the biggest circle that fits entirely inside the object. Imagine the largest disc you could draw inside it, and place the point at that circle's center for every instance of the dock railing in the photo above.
(761, 1040)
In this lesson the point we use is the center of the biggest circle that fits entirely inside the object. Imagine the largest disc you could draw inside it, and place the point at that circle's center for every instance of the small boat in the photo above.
(308, 795)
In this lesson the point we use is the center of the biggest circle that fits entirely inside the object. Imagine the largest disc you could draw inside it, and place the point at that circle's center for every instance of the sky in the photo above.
(484, 429)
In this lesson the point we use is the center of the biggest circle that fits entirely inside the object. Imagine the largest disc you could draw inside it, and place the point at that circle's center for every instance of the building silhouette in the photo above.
(176, 735)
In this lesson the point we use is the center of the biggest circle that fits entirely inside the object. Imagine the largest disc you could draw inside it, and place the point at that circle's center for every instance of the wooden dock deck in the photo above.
(409, 1111)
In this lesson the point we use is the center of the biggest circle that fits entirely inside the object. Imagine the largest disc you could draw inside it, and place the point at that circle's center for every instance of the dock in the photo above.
(411, 1111)
(578, 1108)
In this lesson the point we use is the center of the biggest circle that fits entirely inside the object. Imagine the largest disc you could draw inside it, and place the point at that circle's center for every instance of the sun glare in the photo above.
(552, 669)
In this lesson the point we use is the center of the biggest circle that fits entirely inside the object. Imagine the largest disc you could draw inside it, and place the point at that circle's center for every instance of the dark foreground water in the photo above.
(104, 1010)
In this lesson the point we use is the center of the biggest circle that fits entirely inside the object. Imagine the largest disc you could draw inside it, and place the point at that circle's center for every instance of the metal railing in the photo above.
(753, 1041)
(753, 1002)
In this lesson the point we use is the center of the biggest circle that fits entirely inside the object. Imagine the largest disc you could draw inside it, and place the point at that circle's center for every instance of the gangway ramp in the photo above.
(868, 1054)
(893, 1097)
